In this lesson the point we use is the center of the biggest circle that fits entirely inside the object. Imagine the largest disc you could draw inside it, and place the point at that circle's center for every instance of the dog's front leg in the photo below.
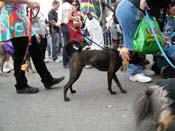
(110, 84)
(118, 83)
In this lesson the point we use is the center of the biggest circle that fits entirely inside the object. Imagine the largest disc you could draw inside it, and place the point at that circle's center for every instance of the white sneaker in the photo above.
(46, 60)
(88, 66)
(60, 58)
(140, 78)
(148, 72)
(7, 67)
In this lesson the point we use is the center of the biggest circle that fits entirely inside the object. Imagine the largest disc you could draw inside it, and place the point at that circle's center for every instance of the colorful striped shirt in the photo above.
(13, 21)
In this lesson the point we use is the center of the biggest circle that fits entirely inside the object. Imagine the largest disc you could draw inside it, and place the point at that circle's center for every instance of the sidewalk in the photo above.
(92, 108)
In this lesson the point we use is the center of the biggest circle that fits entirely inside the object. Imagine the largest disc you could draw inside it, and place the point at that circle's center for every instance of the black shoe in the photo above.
(53, 82)
(27, 90)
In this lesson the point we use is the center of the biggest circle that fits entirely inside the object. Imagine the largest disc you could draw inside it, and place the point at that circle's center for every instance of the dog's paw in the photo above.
(123, 91)
(66, 99)
(73, 91)
(113, 93)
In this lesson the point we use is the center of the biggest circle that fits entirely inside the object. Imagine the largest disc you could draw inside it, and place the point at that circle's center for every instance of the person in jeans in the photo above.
(54, 29)
(132, 10)
(15, 27)
(64, 15)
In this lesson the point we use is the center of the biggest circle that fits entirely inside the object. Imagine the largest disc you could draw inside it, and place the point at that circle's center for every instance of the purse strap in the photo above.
(157, 41)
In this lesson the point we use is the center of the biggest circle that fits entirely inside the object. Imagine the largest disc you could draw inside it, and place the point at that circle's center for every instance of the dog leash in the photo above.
(24, 64)
(105, 4)
(104, 48)
(157, 41)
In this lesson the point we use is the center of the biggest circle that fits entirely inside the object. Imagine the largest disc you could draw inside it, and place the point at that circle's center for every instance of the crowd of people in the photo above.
(65, 22)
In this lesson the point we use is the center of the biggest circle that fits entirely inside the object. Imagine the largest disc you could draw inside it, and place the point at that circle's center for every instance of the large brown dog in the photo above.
(104, 60)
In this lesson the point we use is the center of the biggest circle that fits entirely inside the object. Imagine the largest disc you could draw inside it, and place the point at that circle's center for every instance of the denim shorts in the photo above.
(170, 51)
(126, 15)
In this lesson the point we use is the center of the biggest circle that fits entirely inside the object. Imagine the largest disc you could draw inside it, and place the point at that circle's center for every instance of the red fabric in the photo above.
(75, 33)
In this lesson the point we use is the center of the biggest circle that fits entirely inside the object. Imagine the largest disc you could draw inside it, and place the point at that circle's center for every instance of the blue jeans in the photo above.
(49, 45)
(134, 69)
(65, 32)
(126, 16)
(170, 51)
(55, 45)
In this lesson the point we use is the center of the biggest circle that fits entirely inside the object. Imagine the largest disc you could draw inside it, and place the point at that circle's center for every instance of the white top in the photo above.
(96, 33)
(63, 12)
(39, 25)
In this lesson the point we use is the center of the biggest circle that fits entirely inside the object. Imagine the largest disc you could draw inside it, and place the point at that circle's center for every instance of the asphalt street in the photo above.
(92, 108)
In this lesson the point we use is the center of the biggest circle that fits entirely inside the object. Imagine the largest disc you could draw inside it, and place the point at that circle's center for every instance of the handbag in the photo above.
(144, 40)
(8, 47)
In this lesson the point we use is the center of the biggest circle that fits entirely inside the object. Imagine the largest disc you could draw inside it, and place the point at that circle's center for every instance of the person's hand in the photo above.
(33, 4)
(166, 41)
(144, 5)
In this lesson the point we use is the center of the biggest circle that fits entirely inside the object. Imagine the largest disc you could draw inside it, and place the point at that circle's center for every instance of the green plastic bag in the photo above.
(144, 41)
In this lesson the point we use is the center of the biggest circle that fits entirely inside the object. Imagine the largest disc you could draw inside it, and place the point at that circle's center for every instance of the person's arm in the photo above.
(16, 1)
(70, 15)
(144, 5)
(51, 20)
(31, 3)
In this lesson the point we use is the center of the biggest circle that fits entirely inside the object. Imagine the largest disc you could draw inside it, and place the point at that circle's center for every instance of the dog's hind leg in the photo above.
(69, 86)
(118, 83)
(72, 90)
(74, 75)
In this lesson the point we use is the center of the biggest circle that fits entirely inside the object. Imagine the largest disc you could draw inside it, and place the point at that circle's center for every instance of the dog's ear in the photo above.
(132, 52)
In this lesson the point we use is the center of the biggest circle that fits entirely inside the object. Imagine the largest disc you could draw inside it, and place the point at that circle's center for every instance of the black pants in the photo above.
(20, 45)
(43, 45)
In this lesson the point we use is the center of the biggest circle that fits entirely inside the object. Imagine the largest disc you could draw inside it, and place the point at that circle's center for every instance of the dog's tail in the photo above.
(73, 45)
(143, 106)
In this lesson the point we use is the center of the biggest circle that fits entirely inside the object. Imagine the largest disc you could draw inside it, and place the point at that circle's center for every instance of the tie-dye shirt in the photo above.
(13, 21)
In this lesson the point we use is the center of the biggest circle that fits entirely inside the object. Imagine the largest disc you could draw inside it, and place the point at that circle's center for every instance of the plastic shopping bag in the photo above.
(144, 41)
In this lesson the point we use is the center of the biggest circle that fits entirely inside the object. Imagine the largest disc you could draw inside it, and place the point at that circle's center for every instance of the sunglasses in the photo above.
(75, 4)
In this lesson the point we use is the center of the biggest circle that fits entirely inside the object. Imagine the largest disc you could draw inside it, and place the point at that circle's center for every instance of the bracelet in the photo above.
(141, 9)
